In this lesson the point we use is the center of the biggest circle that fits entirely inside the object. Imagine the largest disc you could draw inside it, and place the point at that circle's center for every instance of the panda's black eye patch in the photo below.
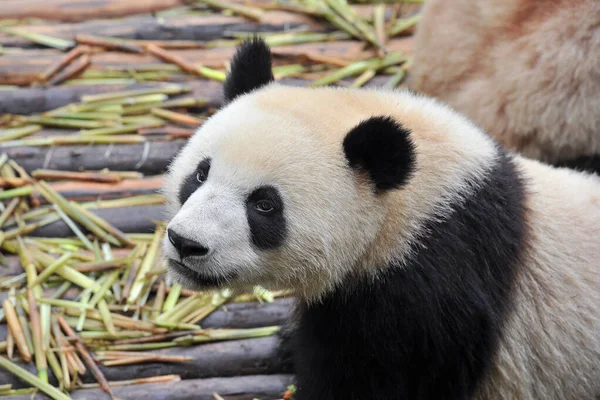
(264, 208)
(194, 180)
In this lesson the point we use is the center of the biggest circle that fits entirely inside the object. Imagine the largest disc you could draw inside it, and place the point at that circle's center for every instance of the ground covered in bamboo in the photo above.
(95, 100)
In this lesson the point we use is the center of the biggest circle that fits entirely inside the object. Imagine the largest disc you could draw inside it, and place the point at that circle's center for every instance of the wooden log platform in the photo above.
(239, 388)
(219, 359)
(149, 158)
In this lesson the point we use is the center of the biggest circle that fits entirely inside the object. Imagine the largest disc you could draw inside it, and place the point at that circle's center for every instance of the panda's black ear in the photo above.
(251, 68)
(382, 148)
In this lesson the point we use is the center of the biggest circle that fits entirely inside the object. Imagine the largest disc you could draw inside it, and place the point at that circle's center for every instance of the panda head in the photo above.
(283, 187)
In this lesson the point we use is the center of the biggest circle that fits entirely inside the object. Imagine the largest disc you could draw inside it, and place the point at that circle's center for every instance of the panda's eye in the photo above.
(264, 206)
(202, 171)
(201, 176)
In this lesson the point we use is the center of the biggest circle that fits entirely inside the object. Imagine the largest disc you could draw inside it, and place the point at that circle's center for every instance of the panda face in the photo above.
(221, 226)
(258, 197)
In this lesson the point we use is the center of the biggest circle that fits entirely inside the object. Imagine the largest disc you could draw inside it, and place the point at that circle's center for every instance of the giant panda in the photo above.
(526, 71)
(428, 261)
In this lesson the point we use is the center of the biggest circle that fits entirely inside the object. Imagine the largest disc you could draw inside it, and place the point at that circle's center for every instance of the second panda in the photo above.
(428, 262)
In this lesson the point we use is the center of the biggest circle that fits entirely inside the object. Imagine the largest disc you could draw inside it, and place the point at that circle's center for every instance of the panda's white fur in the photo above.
(337, 226)
(525, 70)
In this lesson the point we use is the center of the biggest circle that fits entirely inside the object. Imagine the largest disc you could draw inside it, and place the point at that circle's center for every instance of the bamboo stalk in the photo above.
(16, 330)
(77, 66)
(62, 355)
(172, 58)
(45, 322)
(9, 210)
(113, 233)
(51, 269)
(147, 263)
(139, 360)
(18, 192)
(62, 63)
(170, 89)
(253, 13)
(73, 140)
(18, 133)
(158, 300)
(69, 222)
(379, 23)
(366, 31)
(67, 123)
(54, 197)
(176, 117)
(140, 381)
(396, 79)
(39, 38)
(108, 43)
(187, 102)
(55, 366)
(359, 67)
(86, 356)
(403, 25)
(32, 380)
(118, 130)
(40, 355)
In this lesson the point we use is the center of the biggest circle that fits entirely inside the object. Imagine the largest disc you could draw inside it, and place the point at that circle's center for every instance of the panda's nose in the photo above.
(186, 247)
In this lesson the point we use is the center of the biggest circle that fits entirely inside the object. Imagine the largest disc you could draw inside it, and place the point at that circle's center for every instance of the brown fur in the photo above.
(525, 70)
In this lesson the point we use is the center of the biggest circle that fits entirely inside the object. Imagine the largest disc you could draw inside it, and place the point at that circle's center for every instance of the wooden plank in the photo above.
(149, 158)
(27, 101)
(90, 191)
(236, 388)
(81, 10)
(178, 27)
(220, 359)
(138, 219)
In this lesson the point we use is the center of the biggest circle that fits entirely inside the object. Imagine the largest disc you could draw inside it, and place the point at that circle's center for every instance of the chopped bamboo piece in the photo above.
(18, 133)
(39, 38)
(379, 23)
(108, 43)
(18, 192)
(16, 330)
(9, 210)
(149, 260)
(171, 89)
(62, 63)
(77, 66)
(403, 25)
(140, 381)
(113, 233)
(69, 222)
(73, 140)
(32, 379)
(253, 13)
(67, 123)
(54, 197)
(51, 269)
(40, 355)
(396, 79)
(86, 356)
(176, 117)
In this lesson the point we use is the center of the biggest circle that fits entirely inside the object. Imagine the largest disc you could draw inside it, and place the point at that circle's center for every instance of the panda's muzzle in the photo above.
(186, 247)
